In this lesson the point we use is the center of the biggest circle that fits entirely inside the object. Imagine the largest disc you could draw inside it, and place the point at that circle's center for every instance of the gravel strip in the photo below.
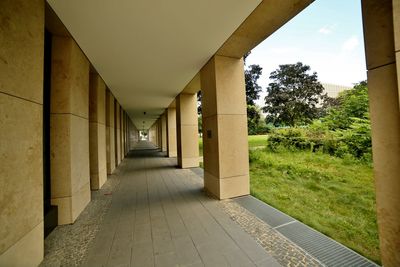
(283, 250)
(67, 245)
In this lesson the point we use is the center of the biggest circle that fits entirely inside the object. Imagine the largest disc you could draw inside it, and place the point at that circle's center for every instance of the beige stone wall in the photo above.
(21, 147)
(171, 132)
(69, 129)
(187, 130)
(117, 116)
(97, 131)
(382, 45)
(225, 147)
(164, 132)
(110, 132)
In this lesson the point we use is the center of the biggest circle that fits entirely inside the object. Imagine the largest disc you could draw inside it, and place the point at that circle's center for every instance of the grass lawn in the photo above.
(257, 140)
(254, 141)
(333, 195)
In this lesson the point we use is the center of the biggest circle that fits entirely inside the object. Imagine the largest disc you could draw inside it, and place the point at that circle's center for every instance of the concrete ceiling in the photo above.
(147, 51)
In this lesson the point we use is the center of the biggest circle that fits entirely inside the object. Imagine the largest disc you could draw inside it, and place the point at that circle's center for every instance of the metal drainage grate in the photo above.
(326, 250)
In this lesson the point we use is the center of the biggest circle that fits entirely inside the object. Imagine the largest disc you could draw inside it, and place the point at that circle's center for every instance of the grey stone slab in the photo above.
(142, 255)
(142, 234)
(186, 251)
(120, 254)
(166, 260)
(210, 256)
(162, 245)
(270, 262)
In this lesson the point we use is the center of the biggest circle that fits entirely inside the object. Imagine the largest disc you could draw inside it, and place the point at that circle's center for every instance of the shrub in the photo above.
(354, 141)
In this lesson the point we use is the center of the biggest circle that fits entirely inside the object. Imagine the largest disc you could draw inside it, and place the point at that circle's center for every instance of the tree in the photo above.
(294, 96)
(253, 90)
(251, 75)
(353, 103)
(253, 118)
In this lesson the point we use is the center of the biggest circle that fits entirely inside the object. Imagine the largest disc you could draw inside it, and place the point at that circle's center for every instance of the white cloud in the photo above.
(327, 29)
(350, 44)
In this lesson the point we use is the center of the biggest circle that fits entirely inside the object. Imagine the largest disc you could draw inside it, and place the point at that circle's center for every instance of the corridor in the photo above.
(159, 216)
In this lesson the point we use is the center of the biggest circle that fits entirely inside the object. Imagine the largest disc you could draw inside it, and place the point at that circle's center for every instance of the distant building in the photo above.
(333, 90)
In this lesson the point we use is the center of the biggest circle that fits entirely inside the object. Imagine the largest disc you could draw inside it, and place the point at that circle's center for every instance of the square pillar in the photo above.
(110, 132)
(226, 159)
(171, 132)
(382, 46)
(69, 129)
(121, 131)
(117, 116)
(159, 129)
(159, 133)
(97, 131)
(21, 132)
(126, 129)
(187, 130)
(163, 132)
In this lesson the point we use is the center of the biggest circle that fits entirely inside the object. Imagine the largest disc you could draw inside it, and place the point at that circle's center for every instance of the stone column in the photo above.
(69, 133)
(187, 130)
(126, 129)
(383, 77)
(117, 133)
(159, 140)
(225, 147)
(121, 131)
(110, 132)
(159, 133)
(21, 134)
(155, 134)
(97, 131)
(171, 132)
(164, 132)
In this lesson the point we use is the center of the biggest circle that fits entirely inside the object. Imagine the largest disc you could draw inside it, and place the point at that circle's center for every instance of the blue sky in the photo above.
(327, 36)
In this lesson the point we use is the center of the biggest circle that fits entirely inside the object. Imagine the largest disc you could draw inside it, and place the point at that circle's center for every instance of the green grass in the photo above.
(201, 146)
(254, 141)
(333, 195)
(257, 140)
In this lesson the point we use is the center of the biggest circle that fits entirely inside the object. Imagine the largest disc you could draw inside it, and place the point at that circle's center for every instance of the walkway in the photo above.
(160, 216)
(150, 213)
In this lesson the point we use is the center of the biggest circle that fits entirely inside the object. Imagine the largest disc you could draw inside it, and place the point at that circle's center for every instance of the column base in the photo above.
(188, 162)
(28, 251)
(228, 187)
(173, 154)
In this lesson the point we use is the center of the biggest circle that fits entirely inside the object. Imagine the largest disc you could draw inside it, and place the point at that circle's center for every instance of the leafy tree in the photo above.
(294, 95)
(251, 75)
(253, 90)
(199, 103)
(353, 103)
(253, 118)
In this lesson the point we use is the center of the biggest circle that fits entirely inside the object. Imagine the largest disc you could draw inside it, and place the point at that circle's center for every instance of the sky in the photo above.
(327, 36)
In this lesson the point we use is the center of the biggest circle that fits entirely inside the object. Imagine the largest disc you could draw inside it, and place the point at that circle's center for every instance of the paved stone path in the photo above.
(149, 213)
(160, 216)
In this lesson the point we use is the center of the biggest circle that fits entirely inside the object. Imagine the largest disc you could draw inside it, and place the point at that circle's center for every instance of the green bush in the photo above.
(354, 141)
